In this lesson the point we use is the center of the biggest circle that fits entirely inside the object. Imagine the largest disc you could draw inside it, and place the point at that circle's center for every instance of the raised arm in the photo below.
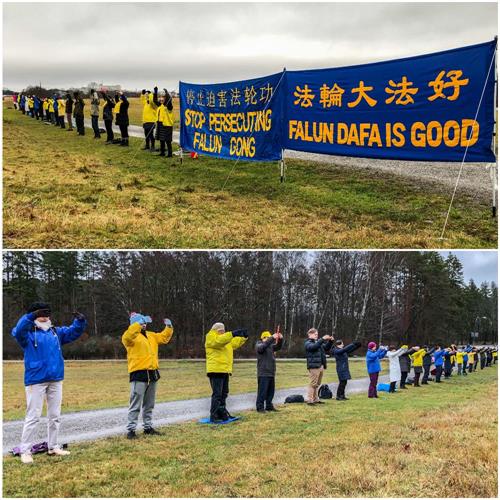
(314, 346)
(21, 331)
(164, 336)
(130, 335)
(278, 345)
(237, 342)
(263, 345)
(218, 341)
(68, 334)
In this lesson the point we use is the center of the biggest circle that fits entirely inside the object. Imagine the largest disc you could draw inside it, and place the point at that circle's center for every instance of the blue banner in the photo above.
(417, 108)
(233, 120)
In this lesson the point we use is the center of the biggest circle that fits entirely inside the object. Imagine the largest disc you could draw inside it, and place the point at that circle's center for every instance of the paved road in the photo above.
(89, 425)
(475, 178)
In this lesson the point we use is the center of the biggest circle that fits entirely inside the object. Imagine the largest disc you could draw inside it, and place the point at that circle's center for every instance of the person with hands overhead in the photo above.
(121, 117)
(373, 357)
(107, 116)
(316, 349)
(266, 348)
(149, 112)
(43, 372)
(143, 368)
(219, 347)
(165, 121)
(341, 355)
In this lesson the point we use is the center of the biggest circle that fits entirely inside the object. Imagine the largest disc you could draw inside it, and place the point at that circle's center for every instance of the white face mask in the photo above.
(44, 325)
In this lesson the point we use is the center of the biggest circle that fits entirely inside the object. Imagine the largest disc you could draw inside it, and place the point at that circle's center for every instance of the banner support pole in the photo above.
(180, 154)
(282, 161)
(494, 145)
(282, 168)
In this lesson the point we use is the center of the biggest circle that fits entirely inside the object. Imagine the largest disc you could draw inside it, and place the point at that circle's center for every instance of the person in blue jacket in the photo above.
(439, 362)
(340, 353)
(37, 105)
(373, 357)
(43, 372)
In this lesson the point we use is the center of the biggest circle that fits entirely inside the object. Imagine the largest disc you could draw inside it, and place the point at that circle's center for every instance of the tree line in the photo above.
(400, 297)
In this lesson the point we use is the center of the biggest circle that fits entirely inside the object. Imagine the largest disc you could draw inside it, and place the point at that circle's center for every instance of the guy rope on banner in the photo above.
(468, 142)
(251, 135)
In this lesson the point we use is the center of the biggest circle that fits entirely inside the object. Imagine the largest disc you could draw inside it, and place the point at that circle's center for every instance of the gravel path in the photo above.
(89, 425)
(475, 179)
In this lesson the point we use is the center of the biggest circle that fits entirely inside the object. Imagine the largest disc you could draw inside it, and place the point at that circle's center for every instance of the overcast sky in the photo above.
(478, 265)
(139, 44)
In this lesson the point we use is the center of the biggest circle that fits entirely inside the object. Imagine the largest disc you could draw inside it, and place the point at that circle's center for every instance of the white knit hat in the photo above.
(219, 327)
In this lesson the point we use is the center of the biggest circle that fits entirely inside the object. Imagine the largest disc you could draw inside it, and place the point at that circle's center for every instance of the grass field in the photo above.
(64, 191)
(80, 393)
(435, 441)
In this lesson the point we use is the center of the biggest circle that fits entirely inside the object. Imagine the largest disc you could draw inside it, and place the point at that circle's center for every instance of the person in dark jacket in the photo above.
(427, 363)
(316, 349)
(266, 349)
(43, 372)
(107, 116)
(405, 365)
(121, 116)
(69, 112)
(78, 113)
(341, 352)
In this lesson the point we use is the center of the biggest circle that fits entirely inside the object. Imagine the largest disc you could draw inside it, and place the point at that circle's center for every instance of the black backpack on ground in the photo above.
(325, 392)
(294, 398)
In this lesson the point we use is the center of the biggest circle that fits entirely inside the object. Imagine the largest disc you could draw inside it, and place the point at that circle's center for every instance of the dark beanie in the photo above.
(38, 305)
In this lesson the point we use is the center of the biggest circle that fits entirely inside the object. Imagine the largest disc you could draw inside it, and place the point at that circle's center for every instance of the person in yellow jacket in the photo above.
(61, 110)
(149, 115)
(45, 107)
(50, 108)
(460, 361)
(219, 347)
(165, 122)
(418, 363)
(142, 359)
(470, 362)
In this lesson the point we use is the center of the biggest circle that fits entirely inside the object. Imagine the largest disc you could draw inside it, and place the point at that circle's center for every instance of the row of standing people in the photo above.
(41, 342)
(157, 115)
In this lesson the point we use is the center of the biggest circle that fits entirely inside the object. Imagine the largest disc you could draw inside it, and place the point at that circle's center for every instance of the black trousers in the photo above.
(169, 147)
(55, 120)
(417, 379)
(483, 362)
(403, 379)
(439, 371)
(61, 121)
(392, 387)
(471, 366)
(95, 126)
(425, 378)
(80, 125)
(476, 361)
(149, 134)
(220, 390)
(341, 388)
(109, 130)
(124, 131)
(265, 392)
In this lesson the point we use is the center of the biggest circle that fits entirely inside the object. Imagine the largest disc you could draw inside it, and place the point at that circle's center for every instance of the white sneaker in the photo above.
(58, 452)
(26, 458)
